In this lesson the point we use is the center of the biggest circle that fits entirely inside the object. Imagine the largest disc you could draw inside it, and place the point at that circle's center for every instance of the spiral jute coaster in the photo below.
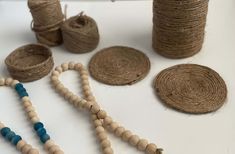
(80, 34)
(119, 65)
(47, 18)
(191, 88)
(179, 27)
(30, 62)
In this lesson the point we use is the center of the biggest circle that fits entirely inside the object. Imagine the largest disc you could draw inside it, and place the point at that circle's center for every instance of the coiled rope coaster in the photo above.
(99, 117)
(47, 18)
(41, 132)
(178, 27)
(119, 65)
(80, 34)
(30, 62)
(191, 88)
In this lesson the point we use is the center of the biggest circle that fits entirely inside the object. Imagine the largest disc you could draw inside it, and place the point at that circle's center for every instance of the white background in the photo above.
(136, 107)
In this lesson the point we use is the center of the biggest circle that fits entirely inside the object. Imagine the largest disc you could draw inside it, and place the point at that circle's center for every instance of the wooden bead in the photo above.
(32, 114)
(78, 66)
(84, 72)
(59, 69)
(64, 91)
(105, 143)
(88, 105)
(151, 148)
(97, 123)
(73, 98)
(25, 149)
(95, 108)
(113, 126)
(108, 150)
(55, 73)
(85, 82)
(54, 148)
(8, 81)
(142, 144)
(2, 81)
(71, 65)
(82, 103)
(68, 95)
(49, 144)
(102, 136)
(29, 109)
(126, 135)
(35, 119)
(94, 117)
(99, 129)
(108, 120)
(101, 114)
(20, 145)
(27, 104)
(33, 151)
(84, 77)
(65, 66)
(14, 82)
(134, 139)
(119, 131)
(59, 87)
(26, 99)
(77, 102)
(91, 98)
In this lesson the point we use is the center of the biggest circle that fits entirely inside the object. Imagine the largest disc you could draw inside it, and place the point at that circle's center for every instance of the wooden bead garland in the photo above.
(100, 118)
(16, 140)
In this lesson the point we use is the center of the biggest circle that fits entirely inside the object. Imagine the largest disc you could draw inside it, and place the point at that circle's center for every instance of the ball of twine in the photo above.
(191, 88)
(30, 62)
(119, 65)
(47, 18)
(80, 34)
(179, 27)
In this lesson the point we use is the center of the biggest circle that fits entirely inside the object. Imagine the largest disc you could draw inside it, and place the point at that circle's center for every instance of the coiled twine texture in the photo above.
(47, 18)
(80, 34)
(179, 27)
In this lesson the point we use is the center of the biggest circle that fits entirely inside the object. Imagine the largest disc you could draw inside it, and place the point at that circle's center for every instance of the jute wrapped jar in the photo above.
(179, 27)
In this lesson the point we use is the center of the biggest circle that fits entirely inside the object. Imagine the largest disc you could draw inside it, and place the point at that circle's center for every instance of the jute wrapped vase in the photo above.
(179, 27)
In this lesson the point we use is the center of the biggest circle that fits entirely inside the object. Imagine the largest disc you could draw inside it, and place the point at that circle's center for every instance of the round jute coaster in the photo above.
(191, 88)
(119, 65)
(30, 62)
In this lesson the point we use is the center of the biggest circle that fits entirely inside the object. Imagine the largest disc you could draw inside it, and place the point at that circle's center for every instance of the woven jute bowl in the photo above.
(30, 62)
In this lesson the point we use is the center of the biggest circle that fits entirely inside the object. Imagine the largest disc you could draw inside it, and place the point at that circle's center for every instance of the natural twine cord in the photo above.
(47, 18)
(178, 27)
(191, 88)
(80, 34)
(30, 62)
(119, 65)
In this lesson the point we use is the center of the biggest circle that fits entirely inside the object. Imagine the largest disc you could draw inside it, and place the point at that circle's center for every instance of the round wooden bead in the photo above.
(108, 150)
(142, 144)
(73, 98)
(126, 135)
(26, 99)
(71, 65)
(91, 98)
(102, 136)
(25, 149)
(14, 82)
(54, 148)
(82, 103)
(108, 120)
(59, 69)
(49, 144)
(78, 66)
(33, 151)
(68, 95)
(2, 81)
(105, 143)
(119, 131)
(55, 73)
(20, 144)
(95, 108)
(84, 77)
(88, 105)
(151, 148)
(32, 114)
(29, 108)
(134, 139)
(94, 117)
(113, 126)
(64, 91)
(27, 104)
(101, 114)
(65, 66)
(99, 129)
(8, 81)
(59, 87)
(97, 123)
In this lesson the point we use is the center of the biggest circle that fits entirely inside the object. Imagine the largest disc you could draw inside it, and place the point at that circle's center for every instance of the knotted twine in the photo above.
(80, 34)
(191, 88)
(47, 18)
(178, 27)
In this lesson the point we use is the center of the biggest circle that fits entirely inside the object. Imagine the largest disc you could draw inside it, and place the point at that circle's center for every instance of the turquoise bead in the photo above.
(16, 139)
(41, 132)
(44, 138)
(5, 131)
(10, 135)
(38, 125)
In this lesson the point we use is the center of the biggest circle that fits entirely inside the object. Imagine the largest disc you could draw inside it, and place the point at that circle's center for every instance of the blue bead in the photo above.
(44, 138)
(5, 131)
(10, 135)
(38, 125)
(18, 86)
(23, 94)
(41, 132)
(16, 139)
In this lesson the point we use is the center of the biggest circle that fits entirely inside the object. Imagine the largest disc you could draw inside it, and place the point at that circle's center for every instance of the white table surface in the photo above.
(136, 107)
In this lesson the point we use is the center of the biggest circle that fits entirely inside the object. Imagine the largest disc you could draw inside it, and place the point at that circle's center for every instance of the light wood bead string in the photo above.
(20, 144)
(100, 117)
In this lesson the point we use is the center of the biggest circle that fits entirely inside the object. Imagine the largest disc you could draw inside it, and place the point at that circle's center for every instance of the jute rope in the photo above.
(80, 34)
(178, 27)
(191, 88)
(30, 62)
(47, 18)
(119, 65)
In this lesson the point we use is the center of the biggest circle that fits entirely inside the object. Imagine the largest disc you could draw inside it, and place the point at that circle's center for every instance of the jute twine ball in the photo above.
(119, 65)
(179, 27)
(47, 18)
(30, 62)
(80, 34)
(191, 88)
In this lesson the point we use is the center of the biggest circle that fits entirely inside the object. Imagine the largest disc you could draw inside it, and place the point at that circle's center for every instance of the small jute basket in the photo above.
(47, 18)
(30, 62)
(80, 34)
(179, 27)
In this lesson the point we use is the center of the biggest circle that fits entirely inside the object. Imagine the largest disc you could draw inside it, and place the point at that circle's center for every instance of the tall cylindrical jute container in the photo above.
(179, 27)
(47, 18)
